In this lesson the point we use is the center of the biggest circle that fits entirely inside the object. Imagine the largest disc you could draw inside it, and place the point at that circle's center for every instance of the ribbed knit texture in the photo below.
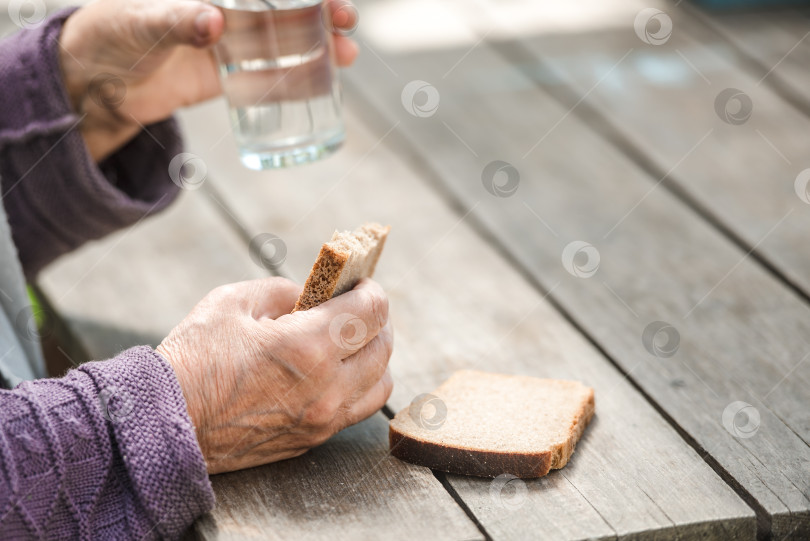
(55, 195)
(106, 452)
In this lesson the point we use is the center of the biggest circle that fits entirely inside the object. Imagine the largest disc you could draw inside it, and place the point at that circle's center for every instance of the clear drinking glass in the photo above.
(278, 71)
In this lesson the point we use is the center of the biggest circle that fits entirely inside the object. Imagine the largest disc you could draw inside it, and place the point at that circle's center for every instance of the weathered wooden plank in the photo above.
(134, 286)
(743, 173)
(664, 99)
(776, 44)
(741, 331)
(350, 488)
(456, 304)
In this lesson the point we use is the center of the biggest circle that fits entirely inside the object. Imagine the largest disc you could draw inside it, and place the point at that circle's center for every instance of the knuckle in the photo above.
(388, 343)
(379, 354)
(322, 412)
(388, 386)
(268, 338)
(320, 438)
(228, 296)
(310, 354)
(223, 292)
(381, 349)
(286, 282)
(375, 307)
(153, 24)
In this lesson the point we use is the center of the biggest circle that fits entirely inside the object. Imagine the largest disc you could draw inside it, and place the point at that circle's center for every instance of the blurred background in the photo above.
(704, 101)
(611, 191)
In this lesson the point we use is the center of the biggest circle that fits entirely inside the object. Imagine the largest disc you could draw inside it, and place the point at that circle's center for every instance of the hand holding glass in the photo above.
(278, 72)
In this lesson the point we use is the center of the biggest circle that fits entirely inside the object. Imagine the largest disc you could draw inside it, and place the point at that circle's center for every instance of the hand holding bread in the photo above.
(263, 384)
(268, 373)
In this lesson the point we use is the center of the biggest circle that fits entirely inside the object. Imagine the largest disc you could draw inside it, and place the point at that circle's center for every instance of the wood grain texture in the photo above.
(134, 286)
(740, 330)
(742, 175)
(663, 100)
(348, 488)
(456, 303)
(774, 43)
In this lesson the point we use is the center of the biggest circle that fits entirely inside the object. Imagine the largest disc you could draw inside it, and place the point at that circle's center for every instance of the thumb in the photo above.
(186, 22)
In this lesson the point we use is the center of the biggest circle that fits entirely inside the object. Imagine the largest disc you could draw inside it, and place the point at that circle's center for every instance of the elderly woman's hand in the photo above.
(263, 384)
(128, 63)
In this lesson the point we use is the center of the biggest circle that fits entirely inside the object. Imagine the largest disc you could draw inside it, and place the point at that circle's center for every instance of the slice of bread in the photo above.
(483, 424)
(343, 261)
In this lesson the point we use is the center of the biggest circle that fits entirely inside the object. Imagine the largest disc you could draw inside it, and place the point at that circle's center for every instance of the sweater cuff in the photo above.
(55, 195)
(142, 399)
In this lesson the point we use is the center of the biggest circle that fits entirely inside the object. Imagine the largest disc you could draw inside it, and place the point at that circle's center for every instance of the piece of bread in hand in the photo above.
(483, 424)
(343, 261)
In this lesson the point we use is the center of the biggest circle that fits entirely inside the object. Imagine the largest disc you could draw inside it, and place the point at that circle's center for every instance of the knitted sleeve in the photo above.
(56, 197)
(106, 452)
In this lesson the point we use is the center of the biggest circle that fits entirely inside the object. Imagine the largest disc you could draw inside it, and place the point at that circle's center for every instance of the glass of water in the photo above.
(278, 72)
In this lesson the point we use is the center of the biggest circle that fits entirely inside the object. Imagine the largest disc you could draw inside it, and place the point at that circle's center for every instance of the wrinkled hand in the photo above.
(262, 384)
(158, 54)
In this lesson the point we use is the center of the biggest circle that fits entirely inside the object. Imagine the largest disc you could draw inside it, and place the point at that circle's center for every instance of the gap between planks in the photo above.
(519, 55)
(753, 65)
(441, 201)
(435, 181)
(456, 203)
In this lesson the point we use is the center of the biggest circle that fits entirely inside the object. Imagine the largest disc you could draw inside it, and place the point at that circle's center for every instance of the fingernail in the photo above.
(202, 24)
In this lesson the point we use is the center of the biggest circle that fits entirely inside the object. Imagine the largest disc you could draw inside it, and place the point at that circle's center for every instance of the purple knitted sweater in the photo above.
(108, 451)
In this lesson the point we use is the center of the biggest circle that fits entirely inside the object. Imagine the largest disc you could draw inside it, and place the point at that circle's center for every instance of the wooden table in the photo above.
(655, 247)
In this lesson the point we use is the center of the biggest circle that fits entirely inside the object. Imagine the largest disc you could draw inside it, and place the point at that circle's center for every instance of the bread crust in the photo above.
(322, 279)
(467, 461)
(490, 463)
(327, 273)
(581, 422)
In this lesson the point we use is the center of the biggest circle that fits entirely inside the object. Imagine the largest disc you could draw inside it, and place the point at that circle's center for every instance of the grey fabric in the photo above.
(20, 351)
